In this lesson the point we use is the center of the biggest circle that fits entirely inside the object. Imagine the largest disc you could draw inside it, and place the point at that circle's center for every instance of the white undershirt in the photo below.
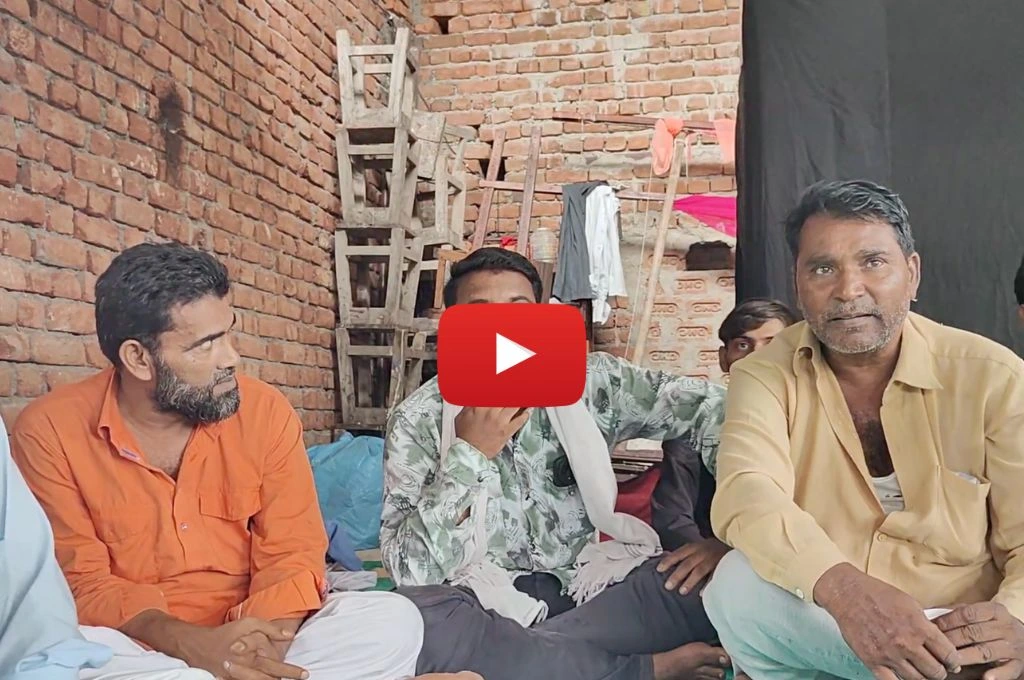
(889, 493)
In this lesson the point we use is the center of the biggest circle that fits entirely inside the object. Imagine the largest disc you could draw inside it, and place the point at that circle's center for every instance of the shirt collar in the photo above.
(915, 366)
(111, 425)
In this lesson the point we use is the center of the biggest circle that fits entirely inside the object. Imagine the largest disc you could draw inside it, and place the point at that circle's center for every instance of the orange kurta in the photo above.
(238, 534)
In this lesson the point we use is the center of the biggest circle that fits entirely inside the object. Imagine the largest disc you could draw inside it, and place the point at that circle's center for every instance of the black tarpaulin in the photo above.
(920, 95)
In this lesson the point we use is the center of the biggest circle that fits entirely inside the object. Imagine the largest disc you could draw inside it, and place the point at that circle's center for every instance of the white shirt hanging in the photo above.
(602, 228)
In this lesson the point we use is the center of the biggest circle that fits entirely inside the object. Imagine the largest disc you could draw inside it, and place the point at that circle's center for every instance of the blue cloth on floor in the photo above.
(349, 477)
(340, 548)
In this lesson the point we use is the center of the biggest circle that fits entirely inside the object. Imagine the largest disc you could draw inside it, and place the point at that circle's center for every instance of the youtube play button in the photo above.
(508, 354)
(522, 355)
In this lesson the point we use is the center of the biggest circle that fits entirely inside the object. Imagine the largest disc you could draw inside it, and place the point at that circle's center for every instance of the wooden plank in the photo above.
(351, 188)
(373, 50)
(625, 194)
(523, 235)
(639, 121)
(659, 251)
(488, 198)
(376, 69)
(444, 258)
(346, 374)
(345, 84)
(547, 277)
(393, 290)
(396, 88)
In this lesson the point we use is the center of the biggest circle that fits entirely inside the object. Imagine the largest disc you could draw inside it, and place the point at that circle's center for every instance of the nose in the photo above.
(230, 357)
(850, 285)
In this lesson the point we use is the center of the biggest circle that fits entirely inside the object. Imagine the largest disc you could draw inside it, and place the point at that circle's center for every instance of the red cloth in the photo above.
(718, 212)
(635, 495)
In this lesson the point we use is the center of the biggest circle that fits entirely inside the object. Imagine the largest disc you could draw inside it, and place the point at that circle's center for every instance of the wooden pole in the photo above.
(659, 251)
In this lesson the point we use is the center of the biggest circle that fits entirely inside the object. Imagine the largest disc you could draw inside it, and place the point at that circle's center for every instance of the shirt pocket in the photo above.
(959, 529)
(226, 516)
(130, 535)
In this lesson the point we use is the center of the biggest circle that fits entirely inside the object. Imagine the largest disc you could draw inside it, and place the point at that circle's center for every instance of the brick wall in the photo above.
(512, 64)
(206, 122)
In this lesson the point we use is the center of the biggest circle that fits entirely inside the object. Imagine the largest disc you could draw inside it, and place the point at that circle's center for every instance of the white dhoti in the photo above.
(356, 636)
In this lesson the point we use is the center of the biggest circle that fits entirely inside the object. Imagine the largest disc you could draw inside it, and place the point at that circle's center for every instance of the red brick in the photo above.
(60, 218)
(57, 350)
(20, 40)
(100, 203)
(31, 144)
(70, 317)
(136, 157)
(56, 58)
(60, 124)
(34, 79)
(17, 207)
(15, 103)
(17, 243)
(60, 251)
(75, 193)
(134, 213)
(8, 168)
(97, 231)
(31, 312)
(58, 154)
(14, 345)
(12, 275)
(40, 179)
(92, 169)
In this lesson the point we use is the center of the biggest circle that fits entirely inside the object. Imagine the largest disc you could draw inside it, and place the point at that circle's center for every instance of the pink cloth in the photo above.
(667, 129)
(717, 212)
(725, 131)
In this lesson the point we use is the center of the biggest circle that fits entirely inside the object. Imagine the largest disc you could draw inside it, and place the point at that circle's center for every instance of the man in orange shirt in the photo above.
(182, 501)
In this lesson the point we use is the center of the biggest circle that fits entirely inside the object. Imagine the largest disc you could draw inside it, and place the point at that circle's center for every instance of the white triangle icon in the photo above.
(508, 354)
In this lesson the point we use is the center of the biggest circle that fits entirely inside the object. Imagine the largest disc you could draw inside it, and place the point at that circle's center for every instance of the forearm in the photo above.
(290, 627)
(159, 631)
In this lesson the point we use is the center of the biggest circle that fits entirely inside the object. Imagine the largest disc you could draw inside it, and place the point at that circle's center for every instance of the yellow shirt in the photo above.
(795, 496)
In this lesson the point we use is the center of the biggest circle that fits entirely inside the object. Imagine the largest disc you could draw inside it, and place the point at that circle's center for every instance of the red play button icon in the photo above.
(522, 355)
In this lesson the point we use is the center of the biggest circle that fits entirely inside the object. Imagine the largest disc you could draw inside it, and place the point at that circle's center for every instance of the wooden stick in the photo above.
(555, 189)
(659, 251)
(523, 235)
(485, 204)
(639, 121)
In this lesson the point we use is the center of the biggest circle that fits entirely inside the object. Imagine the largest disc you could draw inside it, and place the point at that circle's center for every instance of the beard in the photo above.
(884, 324)
(197, 405)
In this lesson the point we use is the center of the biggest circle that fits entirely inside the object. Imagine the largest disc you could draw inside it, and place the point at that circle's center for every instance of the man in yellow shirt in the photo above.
(869, 472)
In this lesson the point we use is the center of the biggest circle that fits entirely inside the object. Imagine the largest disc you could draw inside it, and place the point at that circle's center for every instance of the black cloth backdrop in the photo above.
(923, 96)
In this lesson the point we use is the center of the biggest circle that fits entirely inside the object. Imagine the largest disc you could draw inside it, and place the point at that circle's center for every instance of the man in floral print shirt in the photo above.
(645, 627)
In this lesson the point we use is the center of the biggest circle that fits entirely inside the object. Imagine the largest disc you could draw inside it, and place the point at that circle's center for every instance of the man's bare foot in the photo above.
(697, 661)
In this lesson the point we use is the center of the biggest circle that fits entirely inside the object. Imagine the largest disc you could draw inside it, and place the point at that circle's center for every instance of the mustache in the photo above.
(849, 311)
(224, 377)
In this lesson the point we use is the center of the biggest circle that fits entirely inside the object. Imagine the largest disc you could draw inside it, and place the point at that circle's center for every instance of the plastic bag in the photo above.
(349, 476)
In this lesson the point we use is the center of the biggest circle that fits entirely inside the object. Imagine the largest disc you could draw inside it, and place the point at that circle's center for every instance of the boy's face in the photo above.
(748, 342)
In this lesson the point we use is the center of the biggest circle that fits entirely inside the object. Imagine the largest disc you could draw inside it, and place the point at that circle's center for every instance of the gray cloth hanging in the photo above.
(572, 276)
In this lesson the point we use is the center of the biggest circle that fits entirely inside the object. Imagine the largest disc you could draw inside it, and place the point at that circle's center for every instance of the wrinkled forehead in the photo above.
(824, 237)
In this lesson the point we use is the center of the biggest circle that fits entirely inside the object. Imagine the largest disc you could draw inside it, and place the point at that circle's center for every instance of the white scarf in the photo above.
(598, 564)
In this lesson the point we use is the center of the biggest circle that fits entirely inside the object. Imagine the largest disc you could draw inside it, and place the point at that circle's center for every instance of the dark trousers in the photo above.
(611, 637)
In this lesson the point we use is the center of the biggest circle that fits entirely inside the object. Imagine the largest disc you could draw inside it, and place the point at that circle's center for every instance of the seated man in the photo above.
(503, 504)
(751, 325)
(39, 637)
(182, 501)
(869, 470)
(681, 502)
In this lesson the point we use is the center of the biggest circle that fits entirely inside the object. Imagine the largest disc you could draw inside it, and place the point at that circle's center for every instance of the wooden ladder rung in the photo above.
(377, 69)
(373, 50)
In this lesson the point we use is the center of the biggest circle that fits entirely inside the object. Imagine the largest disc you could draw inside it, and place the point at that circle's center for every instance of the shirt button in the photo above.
(881, 538)
(799, 593)
(184, 526)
